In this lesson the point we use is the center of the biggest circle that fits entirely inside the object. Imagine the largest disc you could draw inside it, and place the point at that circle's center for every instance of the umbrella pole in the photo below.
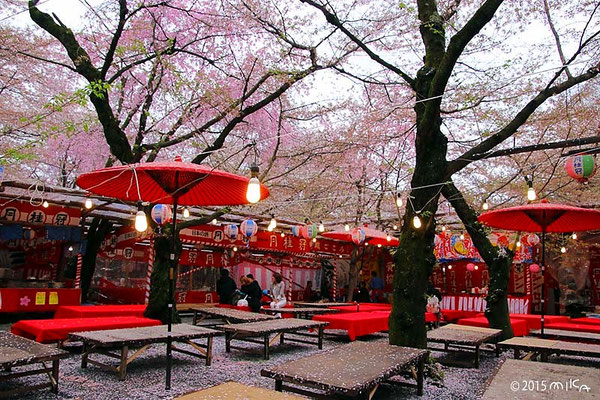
(170, 308)
(543, 279)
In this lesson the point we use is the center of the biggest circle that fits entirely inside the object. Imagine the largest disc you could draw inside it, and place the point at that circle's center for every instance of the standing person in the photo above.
(308, 295)
(225, 287)
(278, 292)
(377, 286)
(254, 292)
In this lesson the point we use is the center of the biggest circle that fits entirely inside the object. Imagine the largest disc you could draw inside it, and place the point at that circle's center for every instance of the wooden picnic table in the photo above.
(237, 391)
(320, 305)
(463, 338)
(16, 351)
(541, 381)
(547, 347)
(227, 315)
(301, 312)
(102, 342)
(574, 336)
(279, 326)
(353, 370)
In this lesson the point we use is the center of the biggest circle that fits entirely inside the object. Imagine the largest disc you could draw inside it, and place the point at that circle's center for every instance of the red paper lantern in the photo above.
(534, 268)
(470, 266)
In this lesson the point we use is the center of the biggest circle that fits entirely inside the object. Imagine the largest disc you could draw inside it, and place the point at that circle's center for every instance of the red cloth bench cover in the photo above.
(454, 315)
(519, 326)
(357, 324)
(430, 317)
(363, 307)
(585, 320)
(534, 321)
(129, 310)
(567, 326)
(53, 330)
(241, 308)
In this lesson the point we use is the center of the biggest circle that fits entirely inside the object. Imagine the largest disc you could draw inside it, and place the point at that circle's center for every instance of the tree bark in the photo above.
(98, 230)
(158, 303)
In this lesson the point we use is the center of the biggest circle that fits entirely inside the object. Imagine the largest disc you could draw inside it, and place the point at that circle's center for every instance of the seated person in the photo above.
(226, 287)
(254, 292)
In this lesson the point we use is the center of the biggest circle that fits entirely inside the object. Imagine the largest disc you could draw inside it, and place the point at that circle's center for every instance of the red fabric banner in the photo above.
(22, 212)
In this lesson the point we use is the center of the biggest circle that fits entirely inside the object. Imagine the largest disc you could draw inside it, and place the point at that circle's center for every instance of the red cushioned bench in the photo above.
(569, 326)
(455, 315)
(56, 330)
(586, 321)
(363, 307)
(357, 324)
(519, 326)
(534, 321)
(126, 310)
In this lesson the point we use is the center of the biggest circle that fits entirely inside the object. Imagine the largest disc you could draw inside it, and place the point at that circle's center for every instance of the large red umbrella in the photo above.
(543, 217)
(372, 237)
(172, 182)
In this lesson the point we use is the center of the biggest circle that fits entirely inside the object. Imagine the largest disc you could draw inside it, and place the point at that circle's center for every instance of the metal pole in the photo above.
(543, 277)
(171, 281)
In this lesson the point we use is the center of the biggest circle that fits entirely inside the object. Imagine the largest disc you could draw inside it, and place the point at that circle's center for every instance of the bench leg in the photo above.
(266, 341)
(497, 348)
(320, 338)
(54, 380)
(281, 338)
(420, 374)
(517, 354)
(278, 385)
(84, 355)
(476, 363)
(123, 363)
(228, 342)
(195, 319)
(209, 343)
(544, 356)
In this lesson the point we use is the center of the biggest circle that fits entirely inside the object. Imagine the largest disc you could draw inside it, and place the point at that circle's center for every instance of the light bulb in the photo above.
(253, 192)
(214, 221)
(531, 196)
(270, 228)
(45, 204)
(321, 227)
(70, 248)
(346, 227)
(314, 240)
(574, 236)
(518, 244)
(395, 227)
(399, 201)
(449, 266)
(443, 228)
(485, 206)
(563, 249)
(417, 222)
(88, 203)
(476, 267)
(340, 256)
(234, 248)
(273, 223)
(186, 212)
(388, 238)
(141, 222)
(282, 234)
(462, 236)
(378, 245)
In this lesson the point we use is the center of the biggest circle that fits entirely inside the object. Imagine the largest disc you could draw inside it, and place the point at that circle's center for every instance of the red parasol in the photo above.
(543, 217)
(172, 182)
(373, 237)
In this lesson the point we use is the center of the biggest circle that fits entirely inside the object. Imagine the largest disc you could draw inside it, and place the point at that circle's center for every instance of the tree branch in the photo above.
(115, 39)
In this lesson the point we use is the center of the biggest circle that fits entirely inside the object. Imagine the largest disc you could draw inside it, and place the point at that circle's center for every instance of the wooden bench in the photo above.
(464, 337)
(237, 391)
(535, 381)
(227, 315)
(101, 342)
(301, 312)
(353, 370)
(547, 347)
(279, 326)
(584, 337)
(16, 351)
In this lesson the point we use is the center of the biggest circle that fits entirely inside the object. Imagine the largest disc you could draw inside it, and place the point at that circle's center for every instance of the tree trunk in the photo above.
(158, 303)
(353, 270)
(98, 230)
(497, 260)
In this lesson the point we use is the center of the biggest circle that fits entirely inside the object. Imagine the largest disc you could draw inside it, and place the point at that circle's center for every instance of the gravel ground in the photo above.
(146, 377)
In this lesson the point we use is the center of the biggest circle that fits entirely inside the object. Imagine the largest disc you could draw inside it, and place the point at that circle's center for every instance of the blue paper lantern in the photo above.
(248, 228)
(231, 231)
(161, 214)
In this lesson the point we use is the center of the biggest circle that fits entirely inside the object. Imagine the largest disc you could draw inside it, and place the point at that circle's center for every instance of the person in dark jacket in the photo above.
(225, 287)
(254, 292)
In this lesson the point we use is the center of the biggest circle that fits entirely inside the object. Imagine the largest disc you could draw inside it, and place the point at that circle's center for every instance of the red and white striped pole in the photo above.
(78, 271)
(289, 291)
(149, 272)
(334, 283)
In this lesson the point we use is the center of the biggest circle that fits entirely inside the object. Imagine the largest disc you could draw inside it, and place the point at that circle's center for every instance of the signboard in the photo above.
(22, 212)
(449, 247)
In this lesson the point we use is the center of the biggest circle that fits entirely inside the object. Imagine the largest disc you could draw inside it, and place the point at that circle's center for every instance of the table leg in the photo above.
(209, 344)
(281, 338)
(517, 354)
(420, 373)
(476, 356)
(84, 355)
(54, 376)
(123, 363)
(266, 341)
(194, 321)
(320, 338)
(228, 342)
(278, 385)
(445, 346)
(544, 356)
(497, 348)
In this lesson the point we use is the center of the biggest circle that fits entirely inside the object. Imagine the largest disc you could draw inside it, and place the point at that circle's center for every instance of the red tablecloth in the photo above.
(565, 326)
(585, 320)
(53, 330)
(430, 317)
(131, 310)
(453, 315)
(13, 300)
(363, 307)
(519, 326)
(534, 321)
(357, 324)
